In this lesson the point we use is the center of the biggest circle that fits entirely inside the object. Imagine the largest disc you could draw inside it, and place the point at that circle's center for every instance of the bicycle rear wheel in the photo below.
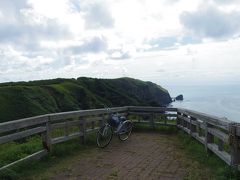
(104, 136)
(125, 130)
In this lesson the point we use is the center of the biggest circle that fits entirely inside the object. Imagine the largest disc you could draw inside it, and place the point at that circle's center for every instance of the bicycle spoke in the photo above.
(104, 136)
(125, 131)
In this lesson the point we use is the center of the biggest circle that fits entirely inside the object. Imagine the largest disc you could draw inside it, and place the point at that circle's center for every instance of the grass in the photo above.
(196, 152)
(113, 175)
(13, 151)
(56, 161)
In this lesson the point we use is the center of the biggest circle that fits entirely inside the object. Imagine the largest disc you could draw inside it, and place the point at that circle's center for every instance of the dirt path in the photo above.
(143, 156)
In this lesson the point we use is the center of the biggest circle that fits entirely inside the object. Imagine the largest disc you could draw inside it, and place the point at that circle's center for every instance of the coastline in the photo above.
(218, 100)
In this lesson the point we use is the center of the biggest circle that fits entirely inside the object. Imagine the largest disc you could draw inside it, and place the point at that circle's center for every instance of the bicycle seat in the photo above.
(122, 118)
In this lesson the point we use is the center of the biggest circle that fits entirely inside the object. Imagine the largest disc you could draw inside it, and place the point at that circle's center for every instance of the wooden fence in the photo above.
(221, 136)
(74, 124)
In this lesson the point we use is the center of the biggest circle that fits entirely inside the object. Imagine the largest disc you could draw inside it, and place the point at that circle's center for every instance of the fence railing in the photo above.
(153, 115)
(221, 136)
(71, 125)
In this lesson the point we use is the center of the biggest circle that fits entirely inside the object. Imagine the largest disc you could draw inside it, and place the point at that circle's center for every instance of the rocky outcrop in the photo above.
(179, 98)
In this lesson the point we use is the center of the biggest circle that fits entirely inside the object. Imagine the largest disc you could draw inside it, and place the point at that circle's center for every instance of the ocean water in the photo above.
(218, 100)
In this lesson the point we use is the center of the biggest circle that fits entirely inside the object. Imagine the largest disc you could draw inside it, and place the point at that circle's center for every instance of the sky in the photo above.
(165, 41)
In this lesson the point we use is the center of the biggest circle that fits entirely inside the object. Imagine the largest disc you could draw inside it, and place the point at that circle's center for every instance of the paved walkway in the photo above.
(143, 156)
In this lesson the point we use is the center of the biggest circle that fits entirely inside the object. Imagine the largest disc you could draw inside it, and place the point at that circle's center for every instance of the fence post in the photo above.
(193, 128)
(234, 143)
(127, 112)
(152, 124)
(165, 120)
(46, 136)
(178, 119)
(82, 130)
(185, 123)
(209, 138)
(190, 125)
(220, 145)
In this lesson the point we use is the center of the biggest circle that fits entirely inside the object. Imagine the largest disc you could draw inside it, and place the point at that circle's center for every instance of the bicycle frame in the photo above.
(105, 129)
(121, 126)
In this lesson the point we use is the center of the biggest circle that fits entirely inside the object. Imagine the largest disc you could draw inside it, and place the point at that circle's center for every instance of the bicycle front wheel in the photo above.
(104, 136)
(125, 130)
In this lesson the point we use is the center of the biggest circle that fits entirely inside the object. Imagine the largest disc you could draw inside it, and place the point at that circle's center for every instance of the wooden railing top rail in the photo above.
(22, 123)
(81, 113)
(54, 117)
(214, 120)
(151, 109)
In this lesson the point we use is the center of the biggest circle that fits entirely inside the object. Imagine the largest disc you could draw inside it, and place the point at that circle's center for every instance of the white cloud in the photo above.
(54, 9)
(97, 15)
(210, 22)
(144, 39)
(226, 2)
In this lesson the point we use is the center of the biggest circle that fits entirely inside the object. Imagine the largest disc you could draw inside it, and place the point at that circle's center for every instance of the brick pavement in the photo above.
(143, 156)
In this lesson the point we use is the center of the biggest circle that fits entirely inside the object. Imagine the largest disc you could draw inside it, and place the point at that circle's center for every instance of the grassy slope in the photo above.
(25, 99)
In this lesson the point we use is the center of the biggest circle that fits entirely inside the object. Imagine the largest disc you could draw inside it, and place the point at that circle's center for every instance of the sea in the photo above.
(222, 100)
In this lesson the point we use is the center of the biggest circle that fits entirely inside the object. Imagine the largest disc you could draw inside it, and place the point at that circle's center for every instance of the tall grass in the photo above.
(29, 169)
(196, 151)
(13, 151)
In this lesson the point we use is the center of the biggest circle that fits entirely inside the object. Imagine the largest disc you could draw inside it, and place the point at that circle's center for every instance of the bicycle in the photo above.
(116, 125)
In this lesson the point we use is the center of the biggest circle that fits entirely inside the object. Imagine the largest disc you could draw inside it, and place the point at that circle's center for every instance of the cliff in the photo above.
(25, 99)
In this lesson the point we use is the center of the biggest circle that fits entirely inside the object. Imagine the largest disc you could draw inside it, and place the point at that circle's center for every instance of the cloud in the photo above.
(70, 38)
(225, 1)
(93, 45)
(187, 39)
(97, 15)
(97, 45)
(12, 8)
(170, 42)
(211, 22)
(163, 42)
(24, 28)
(14, 61)
(170, 2)
(23, 31)
(119, 55)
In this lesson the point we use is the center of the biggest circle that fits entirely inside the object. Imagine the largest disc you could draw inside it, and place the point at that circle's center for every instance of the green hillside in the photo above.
(25, 99)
